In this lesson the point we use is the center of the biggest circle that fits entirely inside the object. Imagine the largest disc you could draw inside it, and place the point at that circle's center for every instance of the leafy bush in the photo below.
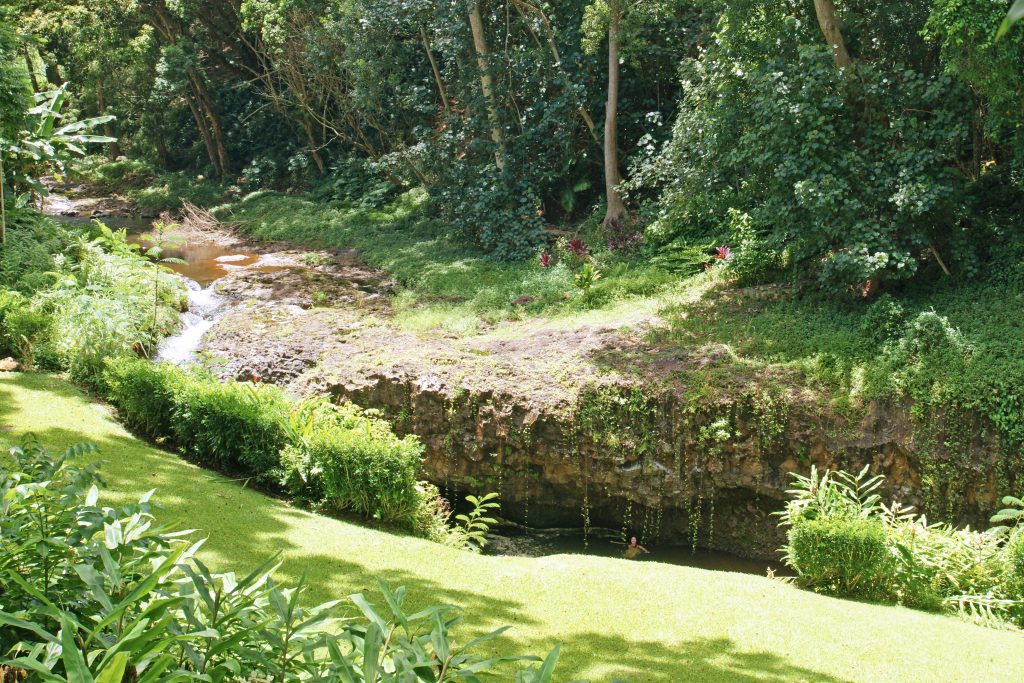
(884, 319)
(1014, 577)
(502, 218)
(841, 555)
(97, 593)
(754, 261)
(238, 427)
(332, 457)
(351, 460)
(235, 427)
(843, 540)
(86, 295)
(847, 173)
(144, 393)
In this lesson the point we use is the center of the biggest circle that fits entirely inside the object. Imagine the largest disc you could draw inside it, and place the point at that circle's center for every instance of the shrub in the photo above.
(848, 556)
(884, 319)
(96, 593)
(353, 461)
(842, 539)
(332, 457)
(232, 426)
(144, 393)
(939, 566)
(1013, 578)
(21, 328)
(87, 296)
(753, 261)
(765, 128)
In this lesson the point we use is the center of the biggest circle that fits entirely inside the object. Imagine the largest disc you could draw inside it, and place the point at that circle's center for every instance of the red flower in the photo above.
(546, 260)
(723, 253)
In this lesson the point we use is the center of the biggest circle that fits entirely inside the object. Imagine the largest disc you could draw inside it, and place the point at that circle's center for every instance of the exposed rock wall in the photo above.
(661, 466)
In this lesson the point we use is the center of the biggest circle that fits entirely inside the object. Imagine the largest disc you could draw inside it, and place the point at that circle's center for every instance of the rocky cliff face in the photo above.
(586, 425)
(661, 466)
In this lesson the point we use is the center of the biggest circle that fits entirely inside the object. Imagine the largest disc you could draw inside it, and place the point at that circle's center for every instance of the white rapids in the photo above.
(205, 307)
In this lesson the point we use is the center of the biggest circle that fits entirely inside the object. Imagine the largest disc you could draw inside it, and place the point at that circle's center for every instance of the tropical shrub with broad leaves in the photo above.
(94, 594)
(843, 539)
(45, 145)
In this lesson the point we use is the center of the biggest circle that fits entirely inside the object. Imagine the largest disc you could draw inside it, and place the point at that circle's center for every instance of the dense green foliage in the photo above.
(902, 162)
(335, 458)
(95, 593)
(871, 173)
(70, 297)
(346, 460)
(844, 540)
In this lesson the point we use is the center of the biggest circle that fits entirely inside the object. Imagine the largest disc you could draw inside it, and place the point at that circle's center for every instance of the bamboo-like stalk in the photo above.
(3, 205)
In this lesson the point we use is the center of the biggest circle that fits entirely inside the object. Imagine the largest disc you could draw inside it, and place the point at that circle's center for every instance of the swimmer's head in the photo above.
(632, 541)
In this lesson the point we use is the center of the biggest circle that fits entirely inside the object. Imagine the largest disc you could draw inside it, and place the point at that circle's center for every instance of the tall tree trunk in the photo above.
(31, 69)
(612, 178)
(204, 130)
(442, 91)
(216, 132)
(161, 147)
(113, 148)
(476, 23)
(832, 27)
(3, 204)
(307, 127)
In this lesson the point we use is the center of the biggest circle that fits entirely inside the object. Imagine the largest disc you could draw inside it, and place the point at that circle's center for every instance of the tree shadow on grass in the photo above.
(708, 660)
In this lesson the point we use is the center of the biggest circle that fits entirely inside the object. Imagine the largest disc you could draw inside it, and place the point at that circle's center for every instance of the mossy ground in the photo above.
(638, 621)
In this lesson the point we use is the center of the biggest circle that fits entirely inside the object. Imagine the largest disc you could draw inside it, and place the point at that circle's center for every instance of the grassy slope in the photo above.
(641, 621)
(445, 283)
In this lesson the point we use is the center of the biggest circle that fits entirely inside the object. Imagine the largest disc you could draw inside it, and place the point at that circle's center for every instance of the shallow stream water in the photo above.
(204, 263)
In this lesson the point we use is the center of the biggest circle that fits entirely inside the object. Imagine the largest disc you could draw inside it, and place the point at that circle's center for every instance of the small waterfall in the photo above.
(204, 308)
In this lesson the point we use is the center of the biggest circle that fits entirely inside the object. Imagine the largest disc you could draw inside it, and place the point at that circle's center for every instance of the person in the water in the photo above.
(635, 550)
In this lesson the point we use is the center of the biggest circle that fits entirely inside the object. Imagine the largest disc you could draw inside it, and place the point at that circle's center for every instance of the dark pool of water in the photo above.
(607, 543)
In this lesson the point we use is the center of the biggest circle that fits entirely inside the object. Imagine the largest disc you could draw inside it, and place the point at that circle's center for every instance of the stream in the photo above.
(205, 263)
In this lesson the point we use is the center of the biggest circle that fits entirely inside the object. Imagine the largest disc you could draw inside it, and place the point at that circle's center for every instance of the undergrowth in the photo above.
(70, 297)
(950, 351)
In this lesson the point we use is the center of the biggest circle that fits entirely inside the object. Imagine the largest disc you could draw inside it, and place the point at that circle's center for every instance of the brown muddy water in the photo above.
(205, 261)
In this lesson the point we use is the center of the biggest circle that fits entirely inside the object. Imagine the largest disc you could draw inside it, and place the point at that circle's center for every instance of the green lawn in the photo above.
(639, 621)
